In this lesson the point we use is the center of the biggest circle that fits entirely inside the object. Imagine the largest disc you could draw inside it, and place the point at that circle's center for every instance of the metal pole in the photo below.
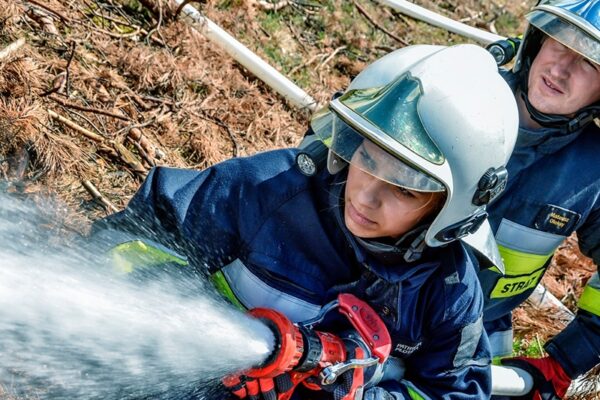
(432, 18)
(282, 85)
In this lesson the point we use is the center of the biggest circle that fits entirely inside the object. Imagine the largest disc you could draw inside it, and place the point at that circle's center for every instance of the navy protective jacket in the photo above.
(553, 190)
(274, 238)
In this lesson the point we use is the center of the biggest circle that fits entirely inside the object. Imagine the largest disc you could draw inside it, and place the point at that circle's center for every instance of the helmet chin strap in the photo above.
(566, 124)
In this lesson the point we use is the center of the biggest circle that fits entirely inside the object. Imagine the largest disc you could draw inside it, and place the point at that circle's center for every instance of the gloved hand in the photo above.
(258, 389)
(347, 384)
(550, 381)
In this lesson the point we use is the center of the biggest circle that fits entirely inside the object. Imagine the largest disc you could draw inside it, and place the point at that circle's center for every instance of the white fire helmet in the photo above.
(446, 122)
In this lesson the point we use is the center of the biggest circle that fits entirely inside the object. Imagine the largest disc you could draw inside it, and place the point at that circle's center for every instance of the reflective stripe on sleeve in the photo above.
(414, 393)
(218, 279)
(140, 254)
(525, 251)
(527, 240)
(520, 263)
(253, 292)
(590, 298)
(469, 340)
(501, 343)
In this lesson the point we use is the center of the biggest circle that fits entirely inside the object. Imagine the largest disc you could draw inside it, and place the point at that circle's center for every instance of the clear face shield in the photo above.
(362, 153)
(566, 33)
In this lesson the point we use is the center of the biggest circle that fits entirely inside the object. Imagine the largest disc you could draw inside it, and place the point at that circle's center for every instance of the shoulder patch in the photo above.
(557, 220)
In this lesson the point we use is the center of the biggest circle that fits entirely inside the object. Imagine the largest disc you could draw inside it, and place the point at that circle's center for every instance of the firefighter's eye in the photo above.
(366, 160)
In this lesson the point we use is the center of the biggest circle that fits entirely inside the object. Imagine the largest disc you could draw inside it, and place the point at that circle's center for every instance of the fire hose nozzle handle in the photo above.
(330, 374)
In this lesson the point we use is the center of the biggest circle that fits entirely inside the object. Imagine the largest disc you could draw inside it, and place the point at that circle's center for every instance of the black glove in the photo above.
(258, 389)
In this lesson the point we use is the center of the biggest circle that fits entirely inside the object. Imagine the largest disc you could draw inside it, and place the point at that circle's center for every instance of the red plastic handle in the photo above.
(368, 324)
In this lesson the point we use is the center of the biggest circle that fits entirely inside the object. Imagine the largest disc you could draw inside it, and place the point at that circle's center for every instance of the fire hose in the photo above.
(312, 357)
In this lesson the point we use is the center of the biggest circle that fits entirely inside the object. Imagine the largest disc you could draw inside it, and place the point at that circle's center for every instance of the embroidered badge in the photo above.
(557, 220)
(407, 349)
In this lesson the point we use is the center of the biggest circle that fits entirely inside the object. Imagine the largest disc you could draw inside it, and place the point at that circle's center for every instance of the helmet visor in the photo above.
(566, 33)
(355, 149)
(392, 110)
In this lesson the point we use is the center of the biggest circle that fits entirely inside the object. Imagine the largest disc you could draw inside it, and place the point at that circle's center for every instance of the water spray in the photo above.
(72, 328)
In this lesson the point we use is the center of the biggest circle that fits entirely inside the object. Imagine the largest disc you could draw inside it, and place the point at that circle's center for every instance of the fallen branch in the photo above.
(95, 110)
(135, 134)
(98, 196)
(149, 159)
(68, 83)
(129, 159)
(268, 6)
(45, 7)
(125, 23)
(306, 64)
(85, 132)
(335, 52)
(45, 21)
(11, 48)
(376, 25)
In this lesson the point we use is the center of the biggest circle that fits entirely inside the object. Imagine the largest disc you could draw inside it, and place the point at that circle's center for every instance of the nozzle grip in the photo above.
(368, 324)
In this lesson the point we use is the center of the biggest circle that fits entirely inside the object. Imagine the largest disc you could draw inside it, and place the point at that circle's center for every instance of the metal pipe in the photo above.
(432, 18)
(263, 71)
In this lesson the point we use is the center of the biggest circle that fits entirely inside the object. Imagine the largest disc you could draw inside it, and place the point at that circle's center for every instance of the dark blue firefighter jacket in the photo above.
(276, 238)
(553, 190)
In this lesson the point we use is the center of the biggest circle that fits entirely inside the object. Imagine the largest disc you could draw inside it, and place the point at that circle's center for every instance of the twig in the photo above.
(217, 121)
(149, 159)
(11, 48)
(87, 133)
(88, 109)
(45, 7)
(116, 35)
(136, 97)
(129, 159)
(185, 3)
(68, 82)
(265, 5)
(98, 196)
(158, 24)
(129, 24)
(376, 25)
(331, 56)
(158, 100)
(306, 64)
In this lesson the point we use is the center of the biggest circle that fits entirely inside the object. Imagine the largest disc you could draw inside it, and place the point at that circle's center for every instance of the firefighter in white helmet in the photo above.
(411, 166)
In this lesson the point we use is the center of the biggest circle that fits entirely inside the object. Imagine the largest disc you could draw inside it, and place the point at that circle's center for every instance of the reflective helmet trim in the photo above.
(576, 37)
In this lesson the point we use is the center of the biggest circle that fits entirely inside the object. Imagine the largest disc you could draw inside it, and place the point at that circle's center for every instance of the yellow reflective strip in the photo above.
(521, 263)
(512, 286)
(497, 360)
(414, 393)
(590, 300)
(137, 254)
(218, 279)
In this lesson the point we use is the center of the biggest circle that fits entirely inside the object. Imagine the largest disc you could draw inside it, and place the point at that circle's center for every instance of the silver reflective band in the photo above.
(557, 24)
(392, 111)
